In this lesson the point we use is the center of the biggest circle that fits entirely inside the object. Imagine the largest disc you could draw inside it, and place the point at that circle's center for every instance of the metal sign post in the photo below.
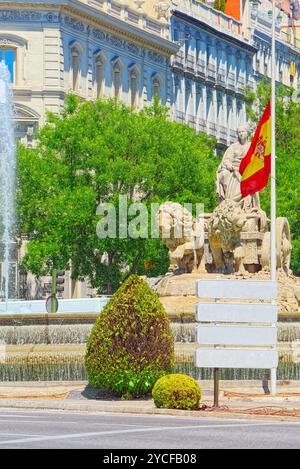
(216, 386)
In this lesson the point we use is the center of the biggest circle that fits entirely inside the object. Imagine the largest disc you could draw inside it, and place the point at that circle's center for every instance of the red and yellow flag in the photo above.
(255, 167)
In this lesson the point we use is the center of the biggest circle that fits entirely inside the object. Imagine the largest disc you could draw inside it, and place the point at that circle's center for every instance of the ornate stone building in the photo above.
(197, 59)
(287, 45)
(117, 48)
(92, 47)
(211, 70)
(221, 57)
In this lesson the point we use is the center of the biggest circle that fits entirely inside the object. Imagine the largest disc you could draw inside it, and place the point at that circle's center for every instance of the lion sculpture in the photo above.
(183, 235)
(224, 236)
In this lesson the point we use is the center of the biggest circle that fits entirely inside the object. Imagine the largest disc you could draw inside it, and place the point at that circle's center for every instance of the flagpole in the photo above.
(273, 170)
(273, 146)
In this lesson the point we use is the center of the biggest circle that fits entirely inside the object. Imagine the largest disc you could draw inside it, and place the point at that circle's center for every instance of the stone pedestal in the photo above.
(178, 293)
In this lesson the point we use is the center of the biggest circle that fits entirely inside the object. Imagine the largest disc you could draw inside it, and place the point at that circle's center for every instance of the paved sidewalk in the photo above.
(243, 402)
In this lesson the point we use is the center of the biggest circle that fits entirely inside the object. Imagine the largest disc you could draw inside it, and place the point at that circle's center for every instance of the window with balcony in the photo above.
(9, 57)
(190, 63)
(231, 82)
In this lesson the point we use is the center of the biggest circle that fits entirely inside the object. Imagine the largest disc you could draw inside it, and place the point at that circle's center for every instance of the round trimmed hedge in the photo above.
(177, 392)
(131, 344)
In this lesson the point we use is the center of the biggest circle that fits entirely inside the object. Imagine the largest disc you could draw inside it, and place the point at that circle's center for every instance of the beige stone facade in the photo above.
(92, 48)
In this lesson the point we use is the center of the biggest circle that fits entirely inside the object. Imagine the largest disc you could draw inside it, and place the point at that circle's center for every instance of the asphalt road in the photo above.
(32, 429)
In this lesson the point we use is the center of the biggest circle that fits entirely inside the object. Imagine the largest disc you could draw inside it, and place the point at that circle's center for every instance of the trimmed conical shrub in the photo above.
(131, 345)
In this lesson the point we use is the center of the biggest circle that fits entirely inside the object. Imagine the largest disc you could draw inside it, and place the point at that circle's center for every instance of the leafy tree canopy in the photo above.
(89, 154)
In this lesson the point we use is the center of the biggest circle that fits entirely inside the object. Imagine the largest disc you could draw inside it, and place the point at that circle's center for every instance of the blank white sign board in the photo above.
(237, 289)
(235, 358)
(235, 335)
(237, 312)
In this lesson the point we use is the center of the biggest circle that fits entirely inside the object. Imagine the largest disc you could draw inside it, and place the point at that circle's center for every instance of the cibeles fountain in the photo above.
(233, 241)
(235, 238)
(235, 244)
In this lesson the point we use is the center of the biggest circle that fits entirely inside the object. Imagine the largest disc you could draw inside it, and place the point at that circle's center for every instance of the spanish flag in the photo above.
(255, 167)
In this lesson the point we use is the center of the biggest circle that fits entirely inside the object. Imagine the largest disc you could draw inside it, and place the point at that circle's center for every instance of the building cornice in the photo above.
(96, 17)
(240, 43)
(262, 36)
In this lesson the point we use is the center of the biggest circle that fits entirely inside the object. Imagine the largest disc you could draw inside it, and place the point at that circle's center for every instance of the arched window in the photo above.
(75, 64)
(156, 85)
(117, 78)
(13, 52)
(134, 73)
(156, 88)
(99, 74)
(133, 90)
(27, 122)
(117, 81)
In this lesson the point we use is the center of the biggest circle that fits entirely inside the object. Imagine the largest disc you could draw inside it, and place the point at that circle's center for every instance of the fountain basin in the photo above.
(66, 363)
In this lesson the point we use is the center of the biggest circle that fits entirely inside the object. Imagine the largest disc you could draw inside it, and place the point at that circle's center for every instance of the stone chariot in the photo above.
(250, 250)
(235, 238)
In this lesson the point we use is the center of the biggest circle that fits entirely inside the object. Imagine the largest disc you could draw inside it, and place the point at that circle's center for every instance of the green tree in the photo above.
(92, 153)
(288, 156)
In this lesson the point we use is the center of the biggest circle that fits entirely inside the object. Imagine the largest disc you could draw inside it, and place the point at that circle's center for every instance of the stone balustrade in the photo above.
(214, 18)
(210, 73)
(290, 39)
(137, 17)
(263, 21)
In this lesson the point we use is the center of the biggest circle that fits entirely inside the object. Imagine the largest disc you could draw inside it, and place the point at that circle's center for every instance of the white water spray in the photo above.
(7, 177)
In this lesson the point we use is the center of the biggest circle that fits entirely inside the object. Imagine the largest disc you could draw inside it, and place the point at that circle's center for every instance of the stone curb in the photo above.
(75, 406)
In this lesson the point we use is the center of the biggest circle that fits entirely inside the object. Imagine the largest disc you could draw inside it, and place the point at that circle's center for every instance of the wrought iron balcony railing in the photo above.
(191, 120)
(201, 125)
(201, 68)
(178, 60)
(222, 134)
(221, 77)
(212, 128)
(231, 82)
(180, 116)
(190, 63)
(211, 72)
(241, 85)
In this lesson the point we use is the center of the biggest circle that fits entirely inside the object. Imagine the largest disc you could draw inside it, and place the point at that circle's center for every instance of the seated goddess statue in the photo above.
(228, 174)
